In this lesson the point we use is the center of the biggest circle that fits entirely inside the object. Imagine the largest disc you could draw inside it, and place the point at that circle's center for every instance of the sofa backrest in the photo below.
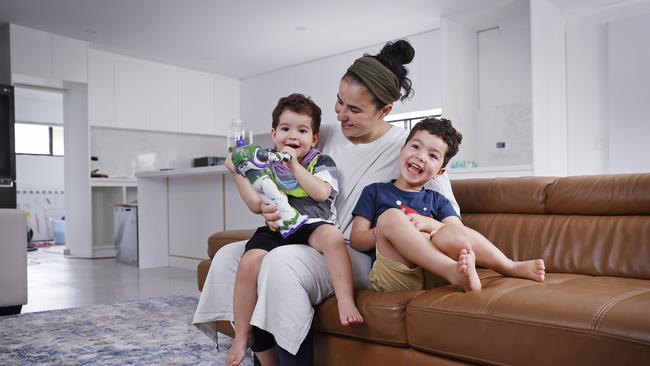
(593, 225)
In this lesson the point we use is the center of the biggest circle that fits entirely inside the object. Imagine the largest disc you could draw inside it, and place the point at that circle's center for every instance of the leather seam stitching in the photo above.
(490, 305)
(532, 323)
(599, 315)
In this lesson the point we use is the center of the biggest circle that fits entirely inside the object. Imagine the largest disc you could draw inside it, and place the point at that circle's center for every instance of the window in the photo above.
(408, 120)
(39, 139)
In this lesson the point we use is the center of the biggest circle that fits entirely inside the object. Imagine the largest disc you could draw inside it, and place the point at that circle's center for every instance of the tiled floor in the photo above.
(56, 282)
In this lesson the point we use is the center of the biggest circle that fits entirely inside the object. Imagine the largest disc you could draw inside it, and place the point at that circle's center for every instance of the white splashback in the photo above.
(117, 150)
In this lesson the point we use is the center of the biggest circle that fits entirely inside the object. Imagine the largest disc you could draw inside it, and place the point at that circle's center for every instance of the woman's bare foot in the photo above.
(532, 270)
(466, 275)
(349, 313)
(237, 351)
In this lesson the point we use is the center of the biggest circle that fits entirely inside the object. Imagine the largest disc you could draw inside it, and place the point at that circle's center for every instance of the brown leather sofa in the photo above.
(593, 309)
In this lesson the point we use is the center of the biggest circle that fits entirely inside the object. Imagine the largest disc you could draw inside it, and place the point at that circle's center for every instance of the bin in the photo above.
(125, 224)
(58, 229)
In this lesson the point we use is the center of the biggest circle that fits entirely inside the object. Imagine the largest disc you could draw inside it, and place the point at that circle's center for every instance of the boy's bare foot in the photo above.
(237, 351)
(532, 270)
(349, 313)
(466, 275)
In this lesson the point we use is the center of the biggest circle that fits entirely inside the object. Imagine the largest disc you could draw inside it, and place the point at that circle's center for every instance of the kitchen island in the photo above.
(178, 209)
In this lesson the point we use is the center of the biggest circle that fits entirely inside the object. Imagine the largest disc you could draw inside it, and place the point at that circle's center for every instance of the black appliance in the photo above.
(7, 148)
(208, 161)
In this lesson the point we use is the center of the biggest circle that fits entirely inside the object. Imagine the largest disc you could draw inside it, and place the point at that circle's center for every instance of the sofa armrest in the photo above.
(221, 238)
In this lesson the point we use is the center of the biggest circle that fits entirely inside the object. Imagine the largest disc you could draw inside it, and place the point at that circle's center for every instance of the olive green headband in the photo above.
(378, 78)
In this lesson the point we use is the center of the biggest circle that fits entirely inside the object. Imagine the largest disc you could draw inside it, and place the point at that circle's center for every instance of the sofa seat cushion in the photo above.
(570, 319)
(384, 316)
(218, 240)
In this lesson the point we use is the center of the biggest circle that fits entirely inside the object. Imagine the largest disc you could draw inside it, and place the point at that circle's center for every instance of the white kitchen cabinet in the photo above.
(31, 52)
(198, 103)
(165, 91)
(131, 94)
(101, 89)
(226, 103)
(49, 56)
(69, 59)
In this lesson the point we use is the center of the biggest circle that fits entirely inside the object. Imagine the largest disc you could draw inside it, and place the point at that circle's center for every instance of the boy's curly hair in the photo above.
(300, 104)
(442, 128)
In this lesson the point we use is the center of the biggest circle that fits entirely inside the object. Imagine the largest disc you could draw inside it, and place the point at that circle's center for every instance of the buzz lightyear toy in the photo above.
(253, 163)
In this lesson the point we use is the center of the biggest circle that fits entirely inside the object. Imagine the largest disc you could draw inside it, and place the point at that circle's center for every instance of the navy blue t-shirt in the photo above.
(379, 197)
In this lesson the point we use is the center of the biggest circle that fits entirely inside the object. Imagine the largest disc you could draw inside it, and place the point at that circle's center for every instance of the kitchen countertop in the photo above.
(113, 182)
(183, 172)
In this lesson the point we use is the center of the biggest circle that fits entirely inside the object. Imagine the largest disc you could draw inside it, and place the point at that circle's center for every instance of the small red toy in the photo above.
(407, 210)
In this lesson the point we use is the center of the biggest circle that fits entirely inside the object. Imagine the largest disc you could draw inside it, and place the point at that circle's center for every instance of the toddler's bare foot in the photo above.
(349, 313)
(237, 351)
(532, 270)
(466, 276)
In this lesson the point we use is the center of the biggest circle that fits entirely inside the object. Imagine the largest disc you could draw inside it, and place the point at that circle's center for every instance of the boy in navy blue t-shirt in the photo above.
(413, 228)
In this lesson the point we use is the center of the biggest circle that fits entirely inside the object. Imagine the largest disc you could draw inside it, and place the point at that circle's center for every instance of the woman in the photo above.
(293, 278)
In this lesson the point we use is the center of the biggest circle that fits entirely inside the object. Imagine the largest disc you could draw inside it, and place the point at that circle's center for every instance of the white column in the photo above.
(548, 57)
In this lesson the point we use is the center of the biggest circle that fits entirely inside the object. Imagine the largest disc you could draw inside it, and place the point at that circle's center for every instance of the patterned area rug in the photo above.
(153, 331)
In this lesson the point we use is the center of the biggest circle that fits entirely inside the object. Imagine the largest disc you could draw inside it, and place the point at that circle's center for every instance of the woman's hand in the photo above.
(229, 164)
(271, 215)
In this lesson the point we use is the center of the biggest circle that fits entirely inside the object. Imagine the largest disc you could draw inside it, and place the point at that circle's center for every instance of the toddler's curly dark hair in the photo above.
(300, 104)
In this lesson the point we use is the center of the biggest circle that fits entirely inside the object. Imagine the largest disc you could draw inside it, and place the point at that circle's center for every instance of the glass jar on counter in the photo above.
(239, 134)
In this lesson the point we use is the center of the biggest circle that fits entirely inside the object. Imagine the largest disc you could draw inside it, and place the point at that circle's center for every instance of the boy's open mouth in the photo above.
(414, 168)
(293, 145)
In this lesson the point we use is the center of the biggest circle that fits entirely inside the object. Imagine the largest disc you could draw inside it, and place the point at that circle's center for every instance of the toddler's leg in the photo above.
(399, 240)
(244, 299)
(452, 238)
(328, 240)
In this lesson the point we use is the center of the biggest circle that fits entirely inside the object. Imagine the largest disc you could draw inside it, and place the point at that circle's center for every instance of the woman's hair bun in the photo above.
(400, 51)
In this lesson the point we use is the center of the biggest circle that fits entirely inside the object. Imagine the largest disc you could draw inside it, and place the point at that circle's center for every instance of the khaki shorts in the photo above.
(388, 275)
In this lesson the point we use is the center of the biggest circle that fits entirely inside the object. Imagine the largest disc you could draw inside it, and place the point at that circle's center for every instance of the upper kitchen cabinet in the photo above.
(101, 89)
(226, 103)
(165, 91)
(131, 94)
(46, 55)
(198, 103)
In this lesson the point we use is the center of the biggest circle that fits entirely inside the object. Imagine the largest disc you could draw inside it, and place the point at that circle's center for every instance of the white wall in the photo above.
(629, 95)
(320, 79)
(587, 130)
(40, 191)
(487, 83)
(460, 83)
(588, 103)
(78, 209)
(547, 29)
(39, 171)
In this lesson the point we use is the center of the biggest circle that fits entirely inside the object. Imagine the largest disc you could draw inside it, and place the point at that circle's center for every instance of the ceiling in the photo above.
(239, 38)
(233, 38)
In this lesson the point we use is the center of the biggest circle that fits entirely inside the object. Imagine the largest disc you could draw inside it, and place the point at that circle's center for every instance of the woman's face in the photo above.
(356, 111)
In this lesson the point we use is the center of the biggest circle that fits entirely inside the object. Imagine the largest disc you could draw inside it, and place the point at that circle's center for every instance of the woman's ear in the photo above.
(385, 111)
